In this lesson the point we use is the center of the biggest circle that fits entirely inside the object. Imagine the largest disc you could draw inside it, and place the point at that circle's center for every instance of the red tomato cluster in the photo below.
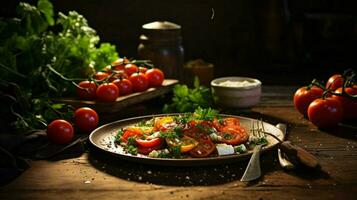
(127, 78)
(326, 107)
(61, 131)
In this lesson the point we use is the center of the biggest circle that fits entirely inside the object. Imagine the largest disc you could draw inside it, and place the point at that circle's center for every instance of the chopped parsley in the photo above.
(131, 149)
(118, 136)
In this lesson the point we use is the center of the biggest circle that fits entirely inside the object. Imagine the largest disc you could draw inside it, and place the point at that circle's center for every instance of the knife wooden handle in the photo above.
(298, 155)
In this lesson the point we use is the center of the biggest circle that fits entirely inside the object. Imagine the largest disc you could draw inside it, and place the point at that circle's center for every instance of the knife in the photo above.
(253, 170)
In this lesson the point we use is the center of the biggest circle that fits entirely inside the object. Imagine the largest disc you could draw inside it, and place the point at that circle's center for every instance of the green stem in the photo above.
(12, 71)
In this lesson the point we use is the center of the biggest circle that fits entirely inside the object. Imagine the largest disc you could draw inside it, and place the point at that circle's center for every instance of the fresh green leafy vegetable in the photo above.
(187, 100)
(40, 56)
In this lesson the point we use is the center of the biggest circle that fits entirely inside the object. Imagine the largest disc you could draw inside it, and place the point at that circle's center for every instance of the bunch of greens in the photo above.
(40, 56)
(187, 99)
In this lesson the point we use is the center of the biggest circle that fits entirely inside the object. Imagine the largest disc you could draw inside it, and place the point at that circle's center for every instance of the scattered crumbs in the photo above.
(149, 172)
(87, 182)
(221, 175)
(140, 178)
(187, 178)
(320, 145)
(233, 175)
(200, 180)
(215, 169)
(309, 186)
(235, 184)
(334, 184)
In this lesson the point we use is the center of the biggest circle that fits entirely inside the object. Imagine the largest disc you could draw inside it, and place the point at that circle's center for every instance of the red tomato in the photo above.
(325, 113)
(349, 105)
(120, 64)
(85, 119)
(139, 81)
(130, 132)
(334, 82)
(233, 134)
(107, 92)
(130, 69)
(88, 91)
(155, 77)
(304, 96)
(99, 76)
(204, 148)
(60, 132)
(124, 85)
(149, 143)
(143, 69)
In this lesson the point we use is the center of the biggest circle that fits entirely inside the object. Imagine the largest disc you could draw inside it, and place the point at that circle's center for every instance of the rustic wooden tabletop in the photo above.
(95, 175)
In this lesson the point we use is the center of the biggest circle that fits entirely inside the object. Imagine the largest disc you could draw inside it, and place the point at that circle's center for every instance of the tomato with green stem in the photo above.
(87, 90)
(124, 85)
(155, 77)
(304, 96)
(107, 92)
(60, 131)
(139, 81)
(100, 76)
(349, 105)
(325, 112)
(334, 82)
(130, 69)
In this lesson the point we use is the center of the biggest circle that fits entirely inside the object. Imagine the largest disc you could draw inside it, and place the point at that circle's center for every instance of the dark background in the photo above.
(277, 41)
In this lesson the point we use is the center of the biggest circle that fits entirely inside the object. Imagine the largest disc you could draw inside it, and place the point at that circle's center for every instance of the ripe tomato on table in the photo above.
(304, 96)
(140, 82)
(325, 113)
(124, 85)
(334, 82)
(155, 77)
(60, 131)
(85, 119)
(87, 91)
(107, 92)
(349, 105)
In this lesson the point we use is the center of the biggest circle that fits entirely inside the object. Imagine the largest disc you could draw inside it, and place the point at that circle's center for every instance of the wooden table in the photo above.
(97, 176)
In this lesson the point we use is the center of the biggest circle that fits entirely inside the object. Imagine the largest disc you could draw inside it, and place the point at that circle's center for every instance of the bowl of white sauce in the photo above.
(236, 91)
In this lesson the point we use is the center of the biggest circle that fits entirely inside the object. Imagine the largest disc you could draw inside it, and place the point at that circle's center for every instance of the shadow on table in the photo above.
(176, 175)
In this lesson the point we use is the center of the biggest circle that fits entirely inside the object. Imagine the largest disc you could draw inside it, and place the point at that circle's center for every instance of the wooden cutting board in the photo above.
(123, 101)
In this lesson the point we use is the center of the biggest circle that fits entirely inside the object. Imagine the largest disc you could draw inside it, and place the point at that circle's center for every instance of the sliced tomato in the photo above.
(233, 134)
(164, 123)
(204, 148)
(149, 142)
(186, 143)
(130, 132)
(147, 150)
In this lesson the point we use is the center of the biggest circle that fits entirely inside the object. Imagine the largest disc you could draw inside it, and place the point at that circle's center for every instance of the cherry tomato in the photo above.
(99, 76)
(334, 82)
(304, 96)
(349, 105)
(60, 132)
(186, 143)
(155, 77)
(149, 143)
(143, 69)
(130, 69)
(120, 64)
(85, 119)
(88, 91)
(204, 148)
(139, 81)
(233, 134)
(230, 121)
(124, 85)
(325, 113)
(107, 92)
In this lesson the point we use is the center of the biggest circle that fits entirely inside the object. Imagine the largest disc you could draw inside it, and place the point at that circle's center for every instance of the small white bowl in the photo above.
(236, 92)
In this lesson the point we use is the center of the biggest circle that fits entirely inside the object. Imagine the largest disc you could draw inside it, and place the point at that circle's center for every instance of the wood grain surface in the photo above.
(95, 175)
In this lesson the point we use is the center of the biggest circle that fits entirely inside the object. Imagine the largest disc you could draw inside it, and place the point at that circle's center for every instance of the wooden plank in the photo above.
(122, 101)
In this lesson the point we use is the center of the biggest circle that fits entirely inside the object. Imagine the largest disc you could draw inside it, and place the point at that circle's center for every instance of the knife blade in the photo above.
(284, 163)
